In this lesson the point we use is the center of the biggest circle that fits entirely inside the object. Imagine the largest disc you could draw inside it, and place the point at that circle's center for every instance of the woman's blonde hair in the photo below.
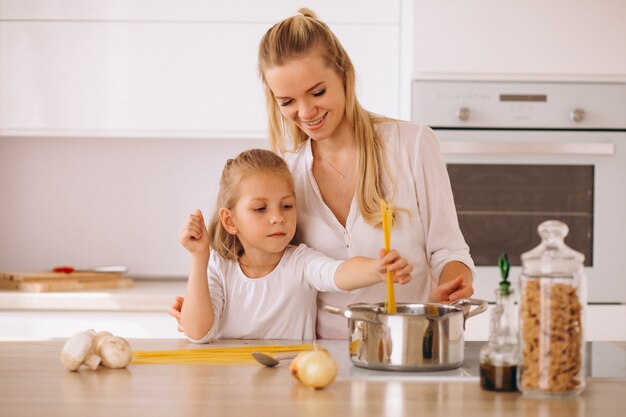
(250, 162)
(296, 37)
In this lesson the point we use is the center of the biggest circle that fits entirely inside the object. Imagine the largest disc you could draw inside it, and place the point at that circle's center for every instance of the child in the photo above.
(260, 285)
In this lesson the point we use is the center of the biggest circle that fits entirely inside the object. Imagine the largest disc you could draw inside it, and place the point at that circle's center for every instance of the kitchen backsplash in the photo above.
(94, 201)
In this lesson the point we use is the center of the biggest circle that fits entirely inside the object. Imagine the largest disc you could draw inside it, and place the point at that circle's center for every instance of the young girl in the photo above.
(256, 283)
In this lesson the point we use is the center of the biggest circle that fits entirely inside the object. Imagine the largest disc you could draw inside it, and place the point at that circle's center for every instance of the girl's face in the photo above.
(265, 214)
(310, 94)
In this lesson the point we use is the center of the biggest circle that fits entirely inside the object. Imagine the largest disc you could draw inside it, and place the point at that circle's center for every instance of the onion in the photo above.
(315, 368)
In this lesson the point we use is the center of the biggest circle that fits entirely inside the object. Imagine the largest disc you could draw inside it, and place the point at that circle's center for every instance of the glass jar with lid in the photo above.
(553, 299)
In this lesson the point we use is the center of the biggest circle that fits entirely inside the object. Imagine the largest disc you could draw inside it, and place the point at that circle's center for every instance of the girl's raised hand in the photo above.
(194, 237)
(395, 263)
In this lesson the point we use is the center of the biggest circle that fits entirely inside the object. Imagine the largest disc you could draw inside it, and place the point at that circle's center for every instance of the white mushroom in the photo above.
(99, 337)
(114, 351)
(78, 350)
(91, 349)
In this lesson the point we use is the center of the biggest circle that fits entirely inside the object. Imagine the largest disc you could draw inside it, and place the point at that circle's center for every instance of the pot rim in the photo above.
(382, 305)
(462, 306)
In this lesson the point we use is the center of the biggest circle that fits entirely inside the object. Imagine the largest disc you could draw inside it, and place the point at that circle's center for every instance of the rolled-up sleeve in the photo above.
(444, 240)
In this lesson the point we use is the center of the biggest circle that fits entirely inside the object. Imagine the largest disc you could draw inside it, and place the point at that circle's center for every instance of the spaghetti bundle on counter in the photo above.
(212, 355)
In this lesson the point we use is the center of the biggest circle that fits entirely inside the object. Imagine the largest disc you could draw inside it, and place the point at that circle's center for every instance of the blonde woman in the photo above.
(345, 160)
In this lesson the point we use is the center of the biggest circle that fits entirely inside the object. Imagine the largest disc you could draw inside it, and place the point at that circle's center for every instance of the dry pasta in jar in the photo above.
(552, 305)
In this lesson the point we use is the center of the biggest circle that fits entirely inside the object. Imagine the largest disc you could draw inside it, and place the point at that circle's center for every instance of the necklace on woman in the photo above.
(350, 167)
(343, 176)
(335, 193)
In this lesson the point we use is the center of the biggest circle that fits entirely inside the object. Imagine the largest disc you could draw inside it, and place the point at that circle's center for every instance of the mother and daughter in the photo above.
(341, 161)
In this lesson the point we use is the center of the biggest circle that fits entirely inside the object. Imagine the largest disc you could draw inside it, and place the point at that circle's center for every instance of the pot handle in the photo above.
(466, 303)
(366, 316)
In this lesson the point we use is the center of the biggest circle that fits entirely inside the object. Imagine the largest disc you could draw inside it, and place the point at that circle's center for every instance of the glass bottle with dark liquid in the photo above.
(498, 358)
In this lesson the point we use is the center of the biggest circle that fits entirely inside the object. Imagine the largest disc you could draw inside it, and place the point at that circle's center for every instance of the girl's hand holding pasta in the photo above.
(194, 237)
(392, 261)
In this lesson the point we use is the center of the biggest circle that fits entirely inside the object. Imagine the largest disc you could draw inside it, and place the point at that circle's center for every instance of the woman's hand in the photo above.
(194, 237)
(451, 291)
(175, 310)
(399, 266)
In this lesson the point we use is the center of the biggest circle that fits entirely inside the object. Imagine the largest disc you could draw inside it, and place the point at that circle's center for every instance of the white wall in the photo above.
(93, 201)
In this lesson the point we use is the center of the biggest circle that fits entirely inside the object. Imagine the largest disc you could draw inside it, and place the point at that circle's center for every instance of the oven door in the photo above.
(506, 182)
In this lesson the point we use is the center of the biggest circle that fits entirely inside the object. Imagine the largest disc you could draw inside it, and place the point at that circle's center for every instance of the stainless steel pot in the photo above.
(419, 337)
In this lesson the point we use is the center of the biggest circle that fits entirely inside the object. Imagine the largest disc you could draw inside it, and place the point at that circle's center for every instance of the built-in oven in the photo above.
(519, 153)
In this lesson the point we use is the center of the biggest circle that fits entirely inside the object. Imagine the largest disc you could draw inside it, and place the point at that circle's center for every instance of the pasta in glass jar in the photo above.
(552, 306)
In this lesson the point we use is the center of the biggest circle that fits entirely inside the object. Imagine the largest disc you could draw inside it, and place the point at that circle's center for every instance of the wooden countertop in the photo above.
(33, 383)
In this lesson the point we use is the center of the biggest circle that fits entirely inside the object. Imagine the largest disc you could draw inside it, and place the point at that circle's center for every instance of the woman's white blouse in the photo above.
(426, 233)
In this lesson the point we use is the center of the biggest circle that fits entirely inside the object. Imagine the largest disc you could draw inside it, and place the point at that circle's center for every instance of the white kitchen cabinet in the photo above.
(50, 324)
(137, 312)
(331, 11)
(603, 323)
(161, 69)
(558, 40)
(141, 312)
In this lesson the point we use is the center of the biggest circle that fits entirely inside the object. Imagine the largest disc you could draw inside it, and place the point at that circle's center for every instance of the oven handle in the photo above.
(526, 147)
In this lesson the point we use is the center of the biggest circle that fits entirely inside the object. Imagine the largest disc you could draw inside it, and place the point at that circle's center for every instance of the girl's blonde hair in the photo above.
(296, 37)
(250, 162)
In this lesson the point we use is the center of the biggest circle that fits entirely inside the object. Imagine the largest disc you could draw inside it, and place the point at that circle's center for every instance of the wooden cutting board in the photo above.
(56, 276)
(60, 281)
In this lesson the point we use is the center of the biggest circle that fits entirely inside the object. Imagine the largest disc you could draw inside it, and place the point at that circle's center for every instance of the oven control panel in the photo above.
(519, 105)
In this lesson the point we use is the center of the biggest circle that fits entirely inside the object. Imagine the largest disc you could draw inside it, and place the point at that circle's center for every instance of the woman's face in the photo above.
(310, 94)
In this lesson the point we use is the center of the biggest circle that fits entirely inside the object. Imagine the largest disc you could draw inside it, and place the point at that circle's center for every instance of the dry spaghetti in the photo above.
(387, 218)
(211, 354)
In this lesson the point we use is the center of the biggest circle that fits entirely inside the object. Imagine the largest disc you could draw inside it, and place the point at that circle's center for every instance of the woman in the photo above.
(345, 160)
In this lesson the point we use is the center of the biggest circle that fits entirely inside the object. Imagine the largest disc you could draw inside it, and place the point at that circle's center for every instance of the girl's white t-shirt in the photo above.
(426, 232)
(280, 305)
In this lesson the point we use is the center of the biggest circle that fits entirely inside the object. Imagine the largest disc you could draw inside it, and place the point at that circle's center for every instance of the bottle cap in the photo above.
(504, 265)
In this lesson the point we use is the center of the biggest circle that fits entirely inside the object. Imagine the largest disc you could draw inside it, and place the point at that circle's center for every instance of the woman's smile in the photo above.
(317, 123)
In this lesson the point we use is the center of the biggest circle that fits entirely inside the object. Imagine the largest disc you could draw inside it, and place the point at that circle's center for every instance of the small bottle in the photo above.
(553, 299)
(498, 358)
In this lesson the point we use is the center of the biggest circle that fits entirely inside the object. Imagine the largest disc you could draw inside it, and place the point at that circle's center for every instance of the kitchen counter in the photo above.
(144, 295)
(141, 312)
(33, 382)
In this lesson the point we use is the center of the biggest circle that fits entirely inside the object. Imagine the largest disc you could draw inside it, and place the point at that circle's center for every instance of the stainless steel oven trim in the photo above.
(526, 147)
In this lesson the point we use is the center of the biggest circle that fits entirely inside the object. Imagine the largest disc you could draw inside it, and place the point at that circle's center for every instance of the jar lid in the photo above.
(552, 257)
